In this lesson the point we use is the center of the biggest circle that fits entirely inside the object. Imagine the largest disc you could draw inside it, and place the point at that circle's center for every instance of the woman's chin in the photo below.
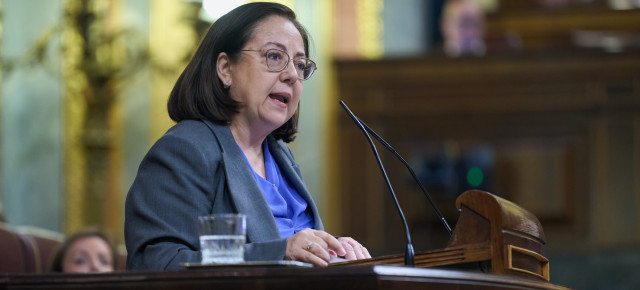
(272, 123)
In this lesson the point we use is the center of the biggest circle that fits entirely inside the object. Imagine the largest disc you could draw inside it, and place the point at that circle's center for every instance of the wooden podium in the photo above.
(490, 229)
(294, 278)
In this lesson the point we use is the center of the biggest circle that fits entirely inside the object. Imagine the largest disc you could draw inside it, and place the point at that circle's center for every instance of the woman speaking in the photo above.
(236, 105)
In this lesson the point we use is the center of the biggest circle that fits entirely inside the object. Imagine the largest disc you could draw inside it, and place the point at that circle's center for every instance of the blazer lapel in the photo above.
(245, 193)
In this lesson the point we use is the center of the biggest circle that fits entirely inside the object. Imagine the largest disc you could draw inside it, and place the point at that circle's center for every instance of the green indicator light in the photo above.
(475, 176)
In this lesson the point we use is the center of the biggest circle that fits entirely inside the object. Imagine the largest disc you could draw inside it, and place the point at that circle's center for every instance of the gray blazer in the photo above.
(195, 169)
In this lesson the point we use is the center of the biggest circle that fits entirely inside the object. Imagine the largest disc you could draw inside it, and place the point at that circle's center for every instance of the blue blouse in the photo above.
(288, 207)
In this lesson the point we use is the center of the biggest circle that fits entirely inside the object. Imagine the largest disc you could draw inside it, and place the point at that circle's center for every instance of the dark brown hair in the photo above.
(58, 258)
(199, 94)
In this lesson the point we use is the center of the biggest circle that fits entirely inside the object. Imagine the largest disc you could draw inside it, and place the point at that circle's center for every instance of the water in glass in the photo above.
(222, 249)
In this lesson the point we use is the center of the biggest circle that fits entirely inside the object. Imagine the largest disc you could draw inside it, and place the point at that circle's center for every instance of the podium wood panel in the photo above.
(353, 277)
(489, 229)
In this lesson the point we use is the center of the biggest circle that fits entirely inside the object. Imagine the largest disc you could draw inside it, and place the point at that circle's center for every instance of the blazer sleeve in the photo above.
(174, 185)
(182, 177)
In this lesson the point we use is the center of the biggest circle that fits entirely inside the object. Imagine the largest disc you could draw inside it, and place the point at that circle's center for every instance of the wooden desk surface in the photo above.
(339, 277)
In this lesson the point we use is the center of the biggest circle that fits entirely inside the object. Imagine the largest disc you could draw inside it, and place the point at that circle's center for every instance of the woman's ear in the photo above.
(223, 67)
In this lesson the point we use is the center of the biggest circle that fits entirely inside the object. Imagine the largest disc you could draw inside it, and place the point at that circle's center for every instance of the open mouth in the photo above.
(280, 98)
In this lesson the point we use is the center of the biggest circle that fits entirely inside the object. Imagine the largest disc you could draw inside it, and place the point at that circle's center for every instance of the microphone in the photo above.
(433, 204)
(409, 254)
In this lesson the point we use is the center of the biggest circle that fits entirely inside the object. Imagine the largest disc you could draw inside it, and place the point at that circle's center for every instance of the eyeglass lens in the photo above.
(277, 60)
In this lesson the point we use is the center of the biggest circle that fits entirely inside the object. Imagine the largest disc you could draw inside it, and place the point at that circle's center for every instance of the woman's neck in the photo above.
(251, 144)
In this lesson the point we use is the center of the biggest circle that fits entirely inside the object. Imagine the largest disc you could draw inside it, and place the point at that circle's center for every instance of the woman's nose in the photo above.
(289, 74)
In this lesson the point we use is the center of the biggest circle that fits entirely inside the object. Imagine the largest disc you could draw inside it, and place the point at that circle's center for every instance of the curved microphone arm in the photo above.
(409, 253)
(433, 204)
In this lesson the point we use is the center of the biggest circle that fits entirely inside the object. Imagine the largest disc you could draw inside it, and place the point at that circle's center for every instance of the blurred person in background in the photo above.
(84, 252)
(463, 28)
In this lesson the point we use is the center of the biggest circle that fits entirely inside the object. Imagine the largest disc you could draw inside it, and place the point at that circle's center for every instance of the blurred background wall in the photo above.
(84, 86)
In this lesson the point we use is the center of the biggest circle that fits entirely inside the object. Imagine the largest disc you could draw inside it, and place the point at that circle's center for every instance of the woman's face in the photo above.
(88, 255)
(269, 98)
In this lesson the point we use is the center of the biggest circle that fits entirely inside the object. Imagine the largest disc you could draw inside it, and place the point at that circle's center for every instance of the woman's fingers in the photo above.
(314, 255)
(366, 253)
(352, 253)
(332, 243)
(316, 247)
(312, 246)
(355, 251)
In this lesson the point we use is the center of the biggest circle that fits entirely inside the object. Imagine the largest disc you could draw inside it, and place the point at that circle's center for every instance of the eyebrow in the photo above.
(282, 47)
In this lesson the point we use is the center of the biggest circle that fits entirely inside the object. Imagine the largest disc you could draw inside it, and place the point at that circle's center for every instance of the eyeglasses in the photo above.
(277, 61)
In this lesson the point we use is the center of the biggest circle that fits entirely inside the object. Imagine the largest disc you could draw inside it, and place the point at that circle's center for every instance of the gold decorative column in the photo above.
(74, 113)
(94, 67)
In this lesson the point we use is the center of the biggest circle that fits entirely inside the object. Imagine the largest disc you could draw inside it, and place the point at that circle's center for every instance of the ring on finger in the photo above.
(309, 246)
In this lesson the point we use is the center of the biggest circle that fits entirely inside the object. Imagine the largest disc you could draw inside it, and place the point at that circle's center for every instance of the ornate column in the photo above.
(74, 114)
(94, 67)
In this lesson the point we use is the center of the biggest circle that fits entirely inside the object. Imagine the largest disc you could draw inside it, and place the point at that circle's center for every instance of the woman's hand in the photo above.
(354, 250)
(316, 247)
(313, 246)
